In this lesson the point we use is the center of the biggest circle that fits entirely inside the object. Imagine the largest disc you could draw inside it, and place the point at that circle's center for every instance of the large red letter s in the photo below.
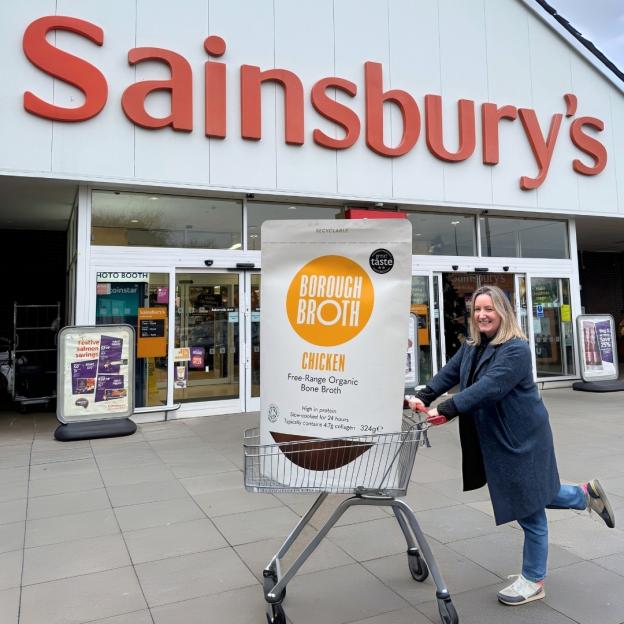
(67, 67)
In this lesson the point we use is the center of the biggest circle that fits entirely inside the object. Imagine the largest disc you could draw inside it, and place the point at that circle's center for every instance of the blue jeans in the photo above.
(535, 527)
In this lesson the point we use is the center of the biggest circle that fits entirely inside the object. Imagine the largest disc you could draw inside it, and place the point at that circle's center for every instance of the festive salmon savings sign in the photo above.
(335, 302)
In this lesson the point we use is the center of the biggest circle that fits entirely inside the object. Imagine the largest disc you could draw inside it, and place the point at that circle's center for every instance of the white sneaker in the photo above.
(521, 591)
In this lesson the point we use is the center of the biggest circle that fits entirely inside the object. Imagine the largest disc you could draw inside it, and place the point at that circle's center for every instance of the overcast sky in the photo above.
(600, 21)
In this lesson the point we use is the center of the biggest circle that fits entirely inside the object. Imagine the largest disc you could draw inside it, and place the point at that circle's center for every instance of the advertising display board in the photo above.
(597, 347)
(96, 373)
(335, 299)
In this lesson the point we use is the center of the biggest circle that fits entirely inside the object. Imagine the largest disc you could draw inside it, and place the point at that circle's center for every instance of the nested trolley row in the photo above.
(375, 469)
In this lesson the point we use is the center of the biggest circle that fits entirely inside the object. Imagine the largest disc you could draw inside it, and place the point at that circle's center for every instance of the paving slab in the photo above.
(172, 540)
(71, 527)
(149, 492)
(190, 576)
(136, 617)
(480, 606)
(240, 606)
(73, 483)
(74, 558)
(159, 513)
(339, 595)
(11, 569)
(257, 555)
(11, 536)
(66, 504)
(459, 573)
(586, 593)
(13, 511)
(82, 598)
(9, 605)
(501, 553)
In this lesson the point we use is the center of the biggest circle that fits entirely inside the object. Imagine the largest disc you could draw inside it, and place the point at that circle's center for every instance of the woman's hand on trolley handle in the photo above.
(432, 415)
(434, 418)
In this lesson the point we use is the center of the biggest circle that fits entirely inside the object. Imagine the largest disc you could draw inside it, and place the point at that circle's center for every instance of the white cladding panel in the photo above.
(159, 153)
(596, 195)
(103, 146)
(24, 139)
(617, 155)
(248, 30)
(415, 68)
(308, 51)
(463, 68)
(509, 83)
(484, 50)
(550, 70)
(361, 32)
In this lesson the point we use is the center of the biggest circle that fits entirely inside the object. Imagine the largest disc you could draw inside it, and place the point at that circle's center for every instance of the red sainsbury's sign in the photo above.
(93, 84)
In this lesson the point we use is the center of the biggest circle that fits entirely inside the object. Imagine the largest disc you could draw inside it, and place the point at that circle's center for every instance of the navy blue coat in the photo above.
(512, 428)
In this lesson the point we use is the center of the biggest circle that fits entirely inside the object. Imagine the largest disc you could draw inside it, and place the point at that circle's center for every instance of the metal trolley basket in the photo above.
(376, 477)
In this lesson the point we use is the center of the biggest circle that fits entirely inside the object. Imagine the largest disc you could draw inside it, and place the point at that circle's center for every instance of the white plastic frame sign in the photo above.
(597, 347)
(95, 373)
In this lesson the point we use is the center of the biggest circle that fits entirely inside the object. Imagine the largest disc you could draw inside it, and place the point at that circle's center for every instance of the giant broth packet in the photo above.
(335, 303)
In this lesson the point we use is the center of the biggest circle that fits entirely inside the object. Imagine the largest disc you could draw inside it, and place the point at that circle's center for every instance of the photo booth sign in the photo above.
(335, 299)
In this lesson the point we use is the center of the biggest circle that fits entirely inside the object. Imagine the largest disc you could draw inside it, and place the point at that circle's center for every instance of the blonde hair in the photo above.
(509, 327)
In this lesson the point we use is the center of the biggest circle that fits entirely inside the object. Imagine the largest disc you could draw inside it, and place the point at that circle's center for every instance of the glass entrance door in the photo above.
(207, 337)
(552, 326)
(457, 289)
(252, 341)
(217, 338)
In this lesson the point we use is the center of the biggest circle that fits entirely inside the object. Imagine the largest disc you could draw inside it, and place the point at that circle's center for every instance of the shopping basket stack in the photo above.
(375, 477)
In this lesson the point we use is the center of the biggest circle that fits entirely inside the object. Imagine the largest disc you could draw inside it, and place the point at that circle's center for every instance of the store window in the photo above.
(141, 300)
(552, 326)
(259, 212)
(503, 237)
(148, 220)
(421, 333)
(443, 234)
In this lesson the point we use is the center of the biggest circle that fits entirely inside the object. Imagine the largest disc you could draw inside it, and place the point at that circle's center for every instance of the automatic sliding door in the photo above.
(207, 355)
(552, 326)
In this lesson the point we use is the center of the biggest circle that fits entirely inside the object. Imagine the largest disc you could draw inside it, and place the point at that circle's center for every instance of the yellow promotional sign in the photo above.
(152, 332)
(566, 313)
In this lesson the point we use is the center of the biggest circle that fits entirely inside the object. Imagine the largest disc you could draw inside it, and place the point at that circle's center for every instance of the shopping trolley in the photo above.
(374, 468)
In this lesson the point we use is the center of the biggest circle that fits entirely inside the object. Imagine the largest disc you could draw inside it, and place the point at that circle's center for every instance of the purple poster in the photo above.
(110, 354)
(83, 376)
(198, 358)
(603, 334)
(109, 387)
(162, 294)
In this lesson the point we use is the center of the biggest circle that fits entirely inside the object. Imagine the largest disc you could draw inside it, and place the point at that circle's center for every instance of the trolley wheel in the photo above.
(277, 615)
(268, 583)
(417, 567)
(448, 615)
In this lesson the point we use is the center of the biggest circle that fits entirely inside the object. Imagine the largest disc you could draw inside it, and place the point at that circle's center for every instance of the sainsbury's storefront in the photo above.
(178, 130)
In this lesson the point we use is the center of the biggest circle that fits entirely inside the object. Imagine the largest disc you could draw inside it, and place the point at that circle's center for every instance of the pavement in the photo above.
(157, 527)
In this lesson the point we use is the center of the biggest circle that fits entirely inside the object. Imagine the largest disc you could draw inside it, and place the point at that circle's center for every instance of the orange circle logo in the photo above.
(330, 300)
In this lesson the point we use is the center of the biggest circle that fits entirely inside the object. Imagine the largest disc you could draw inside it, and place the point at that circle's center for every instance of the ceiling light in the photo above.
(292, 207)
(236, 246)
(134, 220)
(454, 222)
(154, 198)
